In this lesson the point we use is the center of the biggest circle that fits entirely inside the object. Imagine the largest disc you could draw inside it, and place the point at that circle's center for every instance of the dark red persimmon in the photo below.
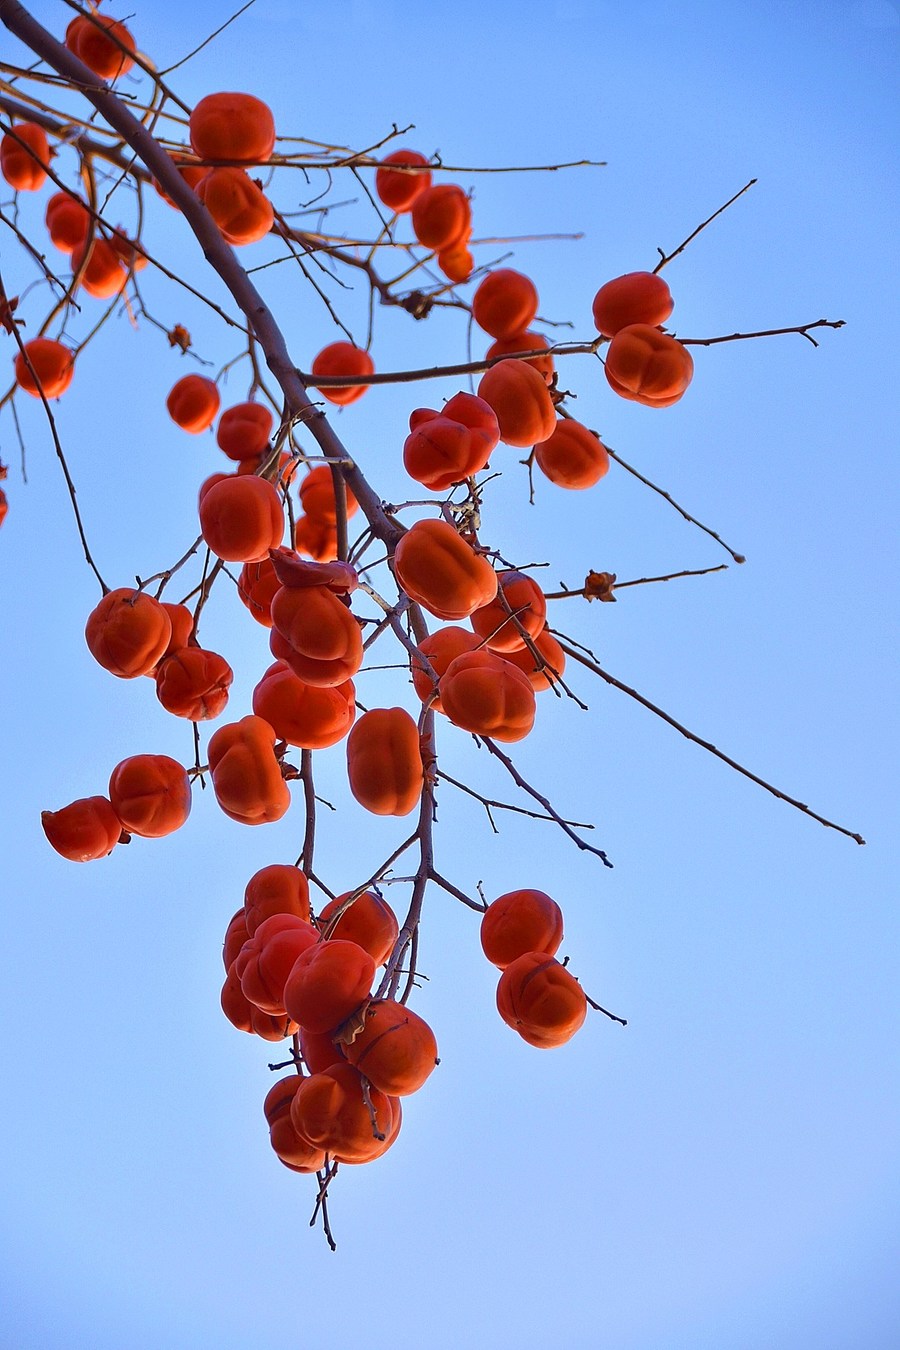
(84, 830)
(399, 190)
(342, 358)
(128, 632)
(330, 1111)
(636, 297)
(519, 922)
(647, 366)
(151, 795)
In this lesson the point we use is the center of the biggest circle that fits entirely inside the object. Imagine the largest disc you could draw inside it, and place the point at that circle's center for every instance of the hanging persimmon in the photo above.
(241, 518)
(193, 402)
(237, 204)
(128, 632)
(636, 297)
(519, 608)
(484, 694)
(104, 272)
(519, 922)
(316, 539)
(364, 918)
(257, 585)
(399, 190)
(318, 499)
(544, 669)
(384, 762)
(25, 157)
(276, 889)
(327, 983)
(441, 216)
(268, 956)
(104, 45)
(439, 649)
(342, 358)
(446, 447)
(233, 126)
(525, 342)
(244, 430)
(647, 366)
(245, 1016)
(319, 637)
(246, 776)
(505, 303)
(83, 831)
(438, 569)
(68, 220)
(289, 1147)
(519, 396)
(151, 795)
(44, 366)
(194, 683)
(540, 1000)
(310, 716)
(395, 1048)
(573, 457)
(330, 1110)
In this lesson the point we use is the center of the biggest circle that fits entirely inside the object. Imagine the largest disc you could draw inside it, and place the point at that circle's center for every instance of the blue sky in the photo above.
(724, 1172)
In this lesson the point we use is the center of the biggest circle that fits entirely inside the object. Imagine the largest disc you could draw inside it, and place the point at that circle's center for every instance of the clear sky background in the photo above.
(724, 1172)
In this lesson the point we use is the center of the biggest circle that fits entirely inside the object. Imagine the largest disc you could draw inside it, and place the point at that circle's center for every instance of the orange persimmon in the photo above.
(636, 297)
(319, 637)
(540, 1000)
(439, 649)
(104, 274)
(289, 1147)
(190, 171)
(257, 585)
(544, 670)
(317, 496)
(245, 1016)
(647, 366)
(193, 683)
(342, 358)
(399, 190)
(438, 569)
(331, 1112)
(151, 795)
(499, 624)
(237, 204)
(457, 262)
(52, 366)
(525, 342)
(278, 888)
(102, 43)
(316, 539)
(366, 919)
(395, 1048)
(84, 830)
(241, 518)
(244, 430)
(573, 457)
(128, 632)
(519, 922)
(306, 715)
(484, 694)
(519, 396)
(235, 936)
(384, 762)
(505, 303)
(67, 220)
(268, 957)
(319, 1051)
(233, 126)
(441, 216)
(25, 157)
(327, 982)
(193, 402)
(246, 776)
(445, 447)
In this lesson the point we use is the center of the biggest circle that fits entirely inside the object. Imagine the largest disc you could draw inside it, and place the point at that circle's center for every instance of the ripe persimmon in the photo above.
(327, 982)
(395, 1048)
(194, 683)
(484, 694)
(519, 922)
(102, 43)
(438, 569)
(364, 918)
(237, 204)
(647, 366)
(128, 632)
(500, 625)
(636, 297)
(278, 888)
(245, 1016)
(25, 157)
(399, 190)
(104, 272)
(317, 496)
(441, 216)
(540, 1000)
(257, 585)
(525, 342)
(439, 649)
(519, 396)
(573, 457)
(445, 447)
(505, 303)
(246, 776)
(319, 637)
(193, 402)
(384, 762)
(544, 670)
(241, 518)
(151, 795)
(244, 430)
(233, 126)
(289, 1146)
(48, 369)
(306, 715)
(331, 1112)
(269, 955)
(84, 830)
(342, 358)
(67, 220)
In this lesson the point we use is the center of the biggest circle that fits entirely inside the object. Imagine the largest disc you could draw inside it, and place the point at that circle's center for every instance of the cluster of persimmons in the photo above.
(290, 972)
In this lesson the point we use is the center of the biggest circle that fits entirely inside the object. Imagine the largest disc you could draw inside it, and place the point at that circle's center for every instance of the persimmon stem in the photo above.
(666, 258)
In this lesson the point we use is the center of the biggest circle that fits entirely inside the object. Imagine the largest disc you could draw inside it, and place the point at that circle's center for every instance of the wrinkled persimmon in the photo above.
(83, 831)
(488, 696)
(647, 366)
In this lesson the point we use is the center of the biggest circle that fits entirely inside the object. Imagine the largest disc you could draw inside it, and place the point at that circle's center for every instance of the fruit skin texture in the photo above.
(24, 171)
(244, 430)
(342, 358)
(438, 569)
(257, 585)
(540, 1000)
(276, 889)
(400, 190)
(315, 634)
(369, 922)
(87, 39)
(241, 518)
(128, 632)
(488, 696)
(505, 303)
(384, 762)
(445, 447)
(518, 395)
(519, 922)
(239, 207)
(305, 715)
(245, 1016)
(84, 830)
(53, 365)
(193, 402)
(151, 795)
(194, 683)
(440, 648)
(441, 216)
(495, 625)
(67, 220)
(330, 1111)
(246, 776)
(573, 457)
(647, 366)
(290, 1147)
(233, 126)
(267, 958)
(396, 1049)
(636, 297)
(327, 983)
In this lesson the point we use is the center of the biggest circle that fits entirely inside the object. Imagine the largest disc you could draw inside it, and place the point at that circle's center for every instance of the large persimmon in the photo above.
(83, 831)
(328, 982)
(233, 126)
(439, 649)
(647, 366)
(67, 219)
(151, 795)
(519, 922)
(540, 1000)
(194, 683)
(268, 956)
(519, 396)
(246, 775)
(364, 918)
(237, 204)
(445, 447)
(395, 1048)
(244, 430)
(441, 216)
(310, 716)
(316, 634)
(484, 694)
(505, 303)
(241, 518)
(128, 632)
(277, 888)
(104, 44)
(330, 1110)
(342, 358)
(636, 297)
(193, 402)
(245, 1016)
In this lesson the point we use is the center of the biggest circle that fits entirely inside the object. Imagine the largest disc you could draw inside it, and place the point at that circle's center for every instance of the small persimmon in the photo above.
(25, 157)
(525, 342)
(342, 358)
(68, 220)
(441, 216)
(193, 402)
(318, 499)
(84, 830)
(399, 190)
(518, 605)
(289, 1146)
